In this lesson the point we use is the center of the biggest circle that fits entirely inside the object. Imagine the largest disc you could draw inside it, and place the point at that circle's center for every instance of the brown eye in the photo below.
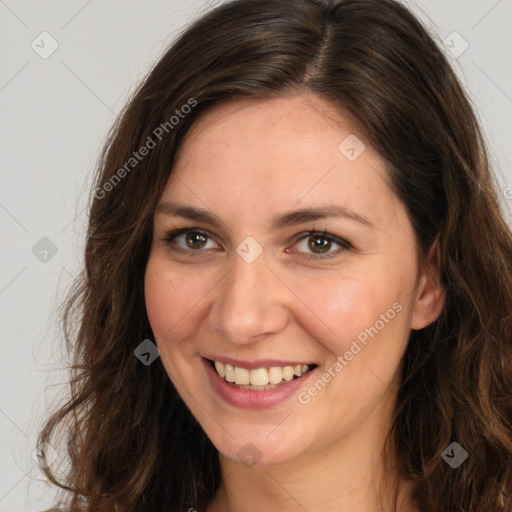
(319, 244)
(190, 240)
(195, 240)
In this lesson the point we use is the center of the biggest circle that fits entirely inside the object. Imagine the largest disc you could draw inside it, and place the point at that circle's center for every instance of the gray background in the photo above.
(56, 112)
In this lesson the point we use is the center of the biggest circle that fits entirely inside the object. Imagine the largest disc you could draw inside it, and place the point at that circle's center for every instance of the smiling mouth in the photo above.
(260, 379)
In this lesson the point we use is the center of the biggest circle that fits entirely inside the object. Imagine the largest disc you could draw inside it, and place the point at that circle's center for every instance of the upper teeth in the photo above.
(259, 376)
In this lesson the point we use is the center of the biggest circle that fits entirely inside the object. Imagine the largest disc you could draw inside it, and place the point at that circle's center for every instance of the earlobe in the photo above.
(431, 295)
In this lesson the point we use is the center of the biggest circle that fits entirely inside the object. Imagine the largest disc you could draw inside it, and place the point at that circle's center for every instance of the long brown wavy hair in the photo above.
(132, 444)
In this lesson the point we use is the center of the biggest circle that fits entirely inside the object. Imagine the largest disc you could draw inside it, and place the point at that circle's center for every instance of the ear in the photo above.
(430, 294)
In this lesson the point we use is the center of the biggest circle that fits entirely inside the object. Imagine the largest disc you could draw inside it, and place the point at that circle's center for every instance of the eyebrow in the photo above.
(281, 221)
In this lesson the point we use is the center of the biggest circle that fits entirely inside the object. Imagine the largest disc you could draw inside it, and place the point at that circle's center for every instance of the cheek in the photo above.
(361, 317)
(171, 301)
(344, 307)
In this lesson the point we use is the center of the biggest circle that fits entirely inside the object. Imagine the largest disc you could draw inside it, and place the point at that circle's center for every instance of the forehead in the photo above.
(287, 126)
(277, 152)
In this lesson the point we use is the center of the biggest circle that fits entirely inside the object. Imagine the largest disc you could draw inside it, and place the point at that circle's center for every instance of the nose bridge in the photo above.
(249, 302)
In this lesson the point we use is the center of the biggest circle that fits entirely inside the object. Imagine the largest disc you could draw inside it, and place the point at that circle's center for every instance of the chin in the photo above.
(260, 445)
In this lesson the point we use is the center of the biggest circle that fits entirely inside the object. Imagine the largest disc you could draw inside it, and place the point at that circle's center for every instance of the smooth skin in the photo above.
(305, 298)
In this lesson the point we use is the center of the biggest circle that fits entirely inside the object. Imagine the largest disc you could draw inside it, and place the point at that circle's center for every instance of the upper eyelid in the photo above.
(182, 231)
(296, 238)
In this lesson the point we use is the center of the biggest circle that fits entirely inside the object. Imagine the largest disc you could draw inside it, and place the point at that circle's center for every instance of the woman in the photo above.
(296, 208)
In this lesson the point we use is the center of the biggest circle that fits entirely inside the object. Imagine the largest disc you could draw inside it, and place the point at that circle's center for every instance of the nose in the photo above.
(249, 303)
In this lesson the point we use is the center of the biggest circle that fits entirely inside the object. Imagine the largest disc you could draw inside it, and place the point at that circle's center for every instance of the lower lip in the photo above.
(249, 398)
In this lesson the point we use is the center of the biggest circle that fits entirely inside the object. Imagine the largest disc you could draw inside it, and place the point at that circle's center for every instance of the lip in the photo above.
(251, 399)
(255, 364)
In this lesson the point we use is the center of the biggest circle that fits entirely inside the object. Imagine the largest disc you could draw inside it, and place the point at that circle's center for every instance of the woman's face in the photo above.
(291, 252)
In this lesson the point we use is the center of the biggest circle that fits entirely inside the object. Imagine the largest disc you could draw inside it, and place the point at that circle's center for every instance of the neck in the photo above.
(351, 475)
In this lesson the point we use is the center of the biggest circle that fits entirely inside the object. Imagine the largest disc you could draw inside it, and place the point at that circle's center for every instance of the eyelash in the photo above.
(171, 236)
